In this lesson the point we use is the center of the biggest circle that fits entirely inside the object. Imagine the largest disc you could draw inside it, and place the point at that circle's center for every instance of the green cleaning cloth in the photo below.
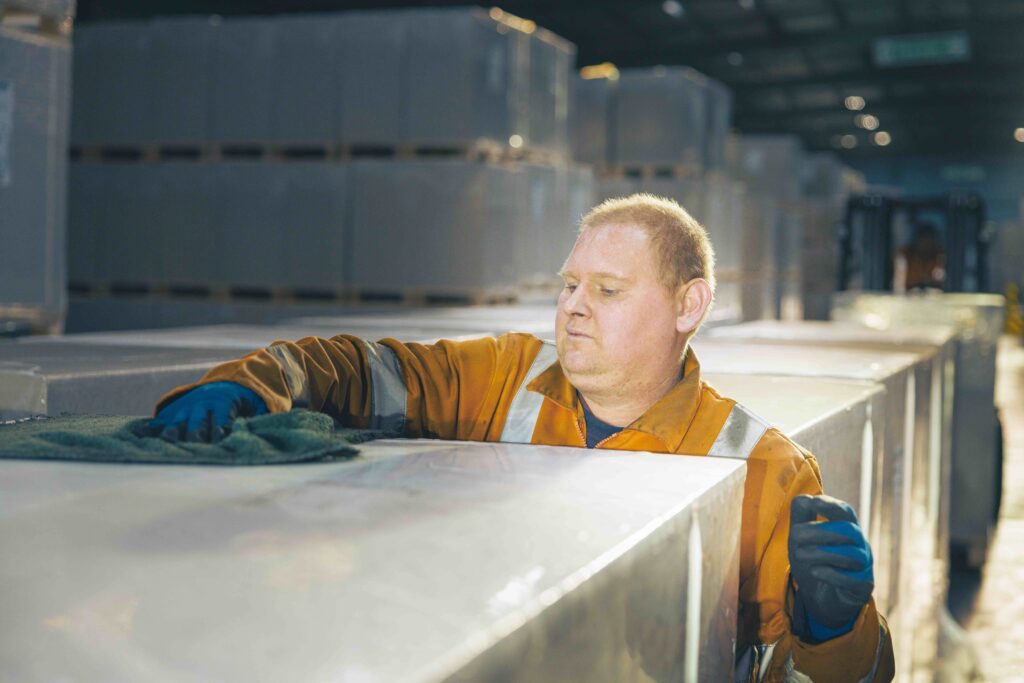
(273, 439)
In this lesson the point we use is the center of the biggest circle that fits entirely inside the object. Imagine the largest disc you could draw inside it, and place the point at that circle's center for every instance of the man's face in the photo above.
(616, 327)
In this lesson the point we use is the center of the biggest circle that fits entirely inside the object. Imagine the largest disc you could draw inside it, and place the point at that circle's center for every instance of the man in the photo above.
(638, 284)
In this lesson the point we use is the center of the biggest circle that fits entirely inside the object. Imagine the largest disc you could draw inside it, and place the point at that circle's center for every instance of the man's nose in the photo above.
(576, 302)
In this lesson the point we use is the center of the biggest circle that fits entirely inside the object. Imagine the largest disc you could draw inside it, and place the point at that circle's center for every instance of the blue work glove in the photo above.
(831, 566)
(206, 412)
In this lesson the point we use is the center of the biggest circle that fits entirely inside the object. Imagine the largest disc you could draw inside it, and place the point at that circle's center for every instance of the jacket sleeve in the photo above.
(864, 655)
(448, 390)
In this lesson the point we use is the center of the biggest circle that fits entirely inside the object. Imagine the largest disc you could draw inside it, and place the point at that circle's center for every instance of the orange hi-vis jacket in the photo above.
(512, 389)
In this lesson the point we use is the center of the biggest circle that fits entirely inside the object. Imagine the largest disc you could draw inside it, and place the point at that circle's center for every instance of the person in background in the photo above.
(920, 264)
(620, 375)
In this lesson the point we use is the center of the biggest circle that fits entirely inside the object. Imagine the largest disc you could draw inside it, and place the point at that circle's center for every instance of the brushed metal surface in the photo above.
(418, 561)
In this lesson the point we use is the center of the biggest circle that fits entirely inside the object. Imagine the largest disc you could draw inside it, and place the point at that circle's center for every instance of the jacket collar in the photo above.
(668, 420)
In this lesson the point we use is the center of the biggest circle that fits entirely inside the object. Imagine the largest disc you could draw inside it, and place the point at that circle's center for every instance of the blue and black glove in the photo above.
(831, 566)
(206, 412)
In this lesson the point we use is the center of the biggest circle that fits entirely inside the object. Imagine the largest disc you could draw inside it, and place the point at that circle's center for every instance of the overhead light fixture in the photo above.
(734, 59)
(848, 141)
(866, 121)
(673, 8)
(1018, 135)
(882, 138)
(515, 141)
(855, 102)
(747, 4)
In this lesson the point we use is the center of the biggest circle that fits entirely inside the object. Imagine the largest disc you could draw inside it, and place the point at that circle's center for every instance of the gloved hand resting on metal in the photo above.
(206, 412)
(830, 566)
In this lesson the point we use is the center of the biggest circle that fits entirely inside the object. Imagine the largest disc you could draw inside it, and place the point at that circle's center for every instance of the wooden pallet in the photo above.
(479, 152)
(293, 295)
(27, 18)
(682, 171)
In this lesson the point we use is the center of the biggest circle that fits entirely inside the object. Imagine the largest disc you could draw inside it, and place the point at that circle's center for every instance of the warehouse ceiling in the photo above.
(923, 76)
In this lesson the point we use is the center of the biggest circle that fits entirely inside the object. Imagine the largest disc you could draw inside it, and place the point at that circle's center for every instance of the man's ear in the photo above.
(692, 304)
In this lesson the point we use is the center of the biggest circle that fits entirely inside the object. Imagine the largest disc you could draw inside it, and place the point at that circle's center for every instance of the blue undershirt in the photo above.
(597, 430)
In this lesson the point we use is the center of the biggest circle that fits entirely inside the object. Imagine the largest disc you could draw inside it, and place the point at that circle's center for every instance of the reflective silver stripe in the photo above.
(389, 392)
(766, 657)
(883, 635)
(522, 415)
(740, 433)
(294, 374)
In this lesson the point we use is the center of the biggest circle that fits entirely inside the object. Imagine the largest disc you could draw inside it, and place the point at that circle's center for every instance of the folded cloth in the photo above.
(274, 439)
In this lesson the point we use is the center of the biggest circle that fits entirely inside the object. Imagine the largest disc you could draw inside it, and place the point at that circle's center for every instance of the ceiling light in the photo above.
(866, 121)
(854, 102)
(515, 141)
(747, 4)
(848, 141)
(602, 70)
(673, 8)
(1018, 135)
(882, 138)
(734, 59)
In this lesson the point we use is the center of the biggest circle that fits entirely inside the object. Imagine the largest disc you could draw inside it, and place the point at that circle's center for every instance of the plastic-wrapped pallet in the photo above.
(186, 216)
(610, 188)
(429, 227)
(179, 80)
(727, 240)
(827, 186)
(305, 97)
(112, 79)
(660, 116)
(466, 79)
(275, 550)
(551, 61)
(719, 120)
(371, 104)
(34, 101)
(242, 94)
(591, 102)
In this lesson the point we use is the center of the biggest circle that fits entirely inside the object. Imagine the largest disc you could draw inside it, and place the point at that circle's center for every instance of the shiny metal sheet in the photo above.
(978, 319)
(418, 561)
(89, 378)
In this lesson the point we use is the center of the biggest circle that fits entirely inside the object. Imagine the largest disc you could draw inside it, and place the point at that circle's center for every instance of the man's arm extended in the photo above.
(450, 390)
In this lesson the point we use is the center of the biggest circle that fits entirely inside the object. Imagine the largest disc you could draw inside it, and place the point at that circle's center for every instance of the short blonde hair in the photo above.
(681, 245)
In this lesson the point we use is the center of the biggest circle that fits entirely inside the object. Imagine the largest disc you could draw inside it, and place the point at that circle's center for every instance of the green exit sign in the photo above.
(924, 48)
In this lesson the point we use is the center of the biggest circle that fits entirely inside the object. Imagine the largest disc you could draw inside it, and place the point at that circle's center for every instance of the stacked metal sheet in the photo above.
(66, 376)
(926, 536)
(889, 493)
(977, 452)
(386, 567)
(34, 110)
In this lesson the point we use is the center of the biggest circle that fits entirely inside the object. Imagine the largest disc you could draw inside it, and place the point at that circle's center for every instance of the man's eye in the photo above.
(609, 292)
(569, 287)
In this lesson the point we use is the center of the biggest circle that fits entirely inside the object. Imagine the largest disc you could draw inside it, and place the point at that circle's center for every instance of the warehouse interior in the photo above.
(186, 182)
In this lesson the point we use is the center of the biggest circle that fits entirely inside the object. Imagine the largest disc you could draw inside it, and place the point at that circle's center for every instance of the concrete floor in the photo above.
(990, 605)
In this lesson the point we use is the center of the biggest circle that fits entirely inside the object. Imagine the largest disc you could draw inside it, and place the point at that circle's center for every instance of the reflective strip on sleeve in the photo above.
(294, 374)
(522, 415)
(389, 392)
(739, 435)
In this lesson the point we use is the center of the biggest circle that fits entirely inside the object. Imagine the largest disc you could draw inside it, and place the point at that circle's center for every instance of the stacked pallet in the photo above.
(415, 155)
(35, 63)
